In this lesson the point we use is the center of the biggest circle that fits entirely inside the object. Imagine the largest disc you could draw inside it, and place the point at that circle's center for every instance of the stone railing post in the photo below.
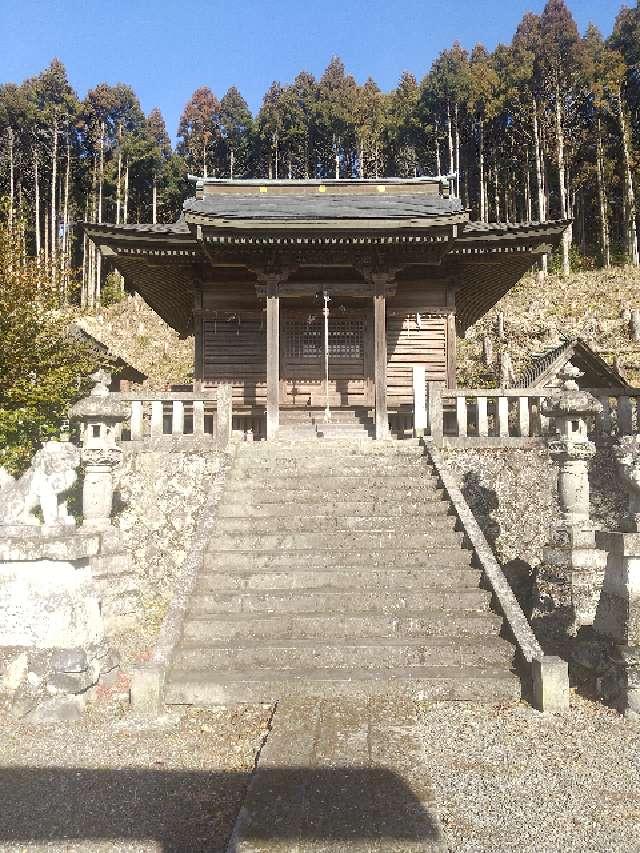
(419, 401)
(618, 614)
(102, 418)
(436, 415)
(572, 547)
(224, 409)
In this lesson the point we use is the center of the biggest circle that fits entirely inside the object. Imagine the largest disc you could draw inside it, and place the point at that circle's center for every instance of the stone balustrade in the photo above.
(155, 415)
(490, 415)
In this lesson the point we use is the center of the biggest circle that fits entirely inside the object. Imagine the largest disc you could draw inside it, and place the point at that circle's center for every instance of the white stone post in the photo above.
(224, 416)
(436, 416)
(419, 401)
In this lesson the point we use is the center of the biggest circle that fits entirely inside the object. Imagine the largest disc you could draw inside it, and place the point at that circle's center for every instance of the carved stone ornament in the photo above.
(107, 455)
(52, 472)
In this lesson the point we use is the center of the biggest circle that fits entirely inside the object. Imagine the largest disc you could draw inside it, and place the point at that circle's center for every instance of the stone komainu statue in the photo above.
(52, 472)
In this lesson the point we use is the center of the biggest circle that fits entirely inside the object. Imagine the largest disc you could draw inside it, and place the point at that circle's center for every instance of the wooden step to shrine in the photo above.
(337, 574)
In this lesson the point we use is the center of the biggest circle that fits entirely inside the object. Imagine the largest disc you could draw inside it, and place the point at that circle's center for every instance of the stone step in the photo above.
(365, 558)
(435, 683)
(293, 416)
(430, 535)
(319, 509)
(334, 526)
(347, 625)
(408, 448)
(330, 600)
(365, 653)
(236, 580)
(338, 480)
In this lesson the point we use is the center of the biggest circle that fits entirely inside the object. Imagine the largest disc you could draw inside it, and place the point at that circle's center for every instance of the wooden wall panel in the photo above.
(235, 351)
(408, 344)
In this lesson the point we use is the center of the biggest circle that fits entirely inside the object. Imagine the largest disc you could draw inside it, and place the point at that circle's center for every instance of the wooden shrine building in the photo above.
(323, 293)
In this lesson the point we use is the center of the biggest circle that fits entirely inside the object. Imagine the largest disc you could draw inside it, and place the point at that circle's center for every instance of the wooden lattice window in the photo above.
(305, 338)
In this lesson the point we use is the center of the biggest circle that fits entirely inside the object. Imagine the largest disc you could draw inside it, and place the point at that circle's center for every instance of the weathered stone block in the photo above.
(146, 690)
(618, 614)
(550, 684)
(48, 604)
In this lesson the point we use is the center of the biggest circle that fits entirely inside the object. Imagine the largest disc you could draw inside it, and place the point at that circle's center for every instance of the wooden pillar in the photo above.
(273, 357)
(451, 336)
(380, 348)
(198, 336)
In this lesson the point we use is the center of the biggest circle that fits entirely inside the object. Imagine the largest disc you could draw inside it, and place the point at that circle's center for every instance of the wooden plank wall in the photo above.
(411, 342)
(235, 351)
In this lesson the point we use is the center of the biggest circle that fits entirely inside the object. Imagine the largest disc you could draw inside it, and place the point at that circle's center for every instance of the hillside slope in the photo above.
(132, 330)
(589, 305)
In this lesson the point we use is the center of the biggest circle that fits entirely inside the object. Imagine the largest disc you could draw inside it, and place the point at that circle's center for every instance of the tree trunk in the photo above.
(205, 174)
(36, 216)
(450, 136)
(154, 199)
(361, 157)
(54, 180)
(481, 164)
(290, 169)
(457, 154)
(66, 243)
(119, 183)
(231, 159)
(630, 199)
(85, 260)
(542, 215)
(527, 192)
(438, 158)
(125, 210)
(101, 179)
(564, 206)
(11, 184)
(604, 202)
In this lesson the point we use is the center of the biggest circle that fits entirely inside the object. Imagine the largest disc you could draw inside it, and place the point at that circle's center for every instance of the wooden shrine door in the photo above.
(302, 358)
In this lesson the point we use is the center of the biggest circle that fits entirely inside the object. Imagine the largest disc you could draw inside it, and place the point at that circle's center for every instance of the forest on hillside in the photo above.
(546, 127)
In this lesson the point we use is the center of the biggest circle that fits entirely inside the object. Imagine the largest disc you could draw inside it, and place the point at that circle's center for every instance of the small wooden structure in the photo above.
(596, 373)
(123, 373)
(323, 293)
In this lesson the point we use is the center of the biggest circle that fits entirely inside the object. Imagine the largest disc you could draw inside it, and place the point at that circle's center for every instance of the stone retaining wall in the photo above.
(158, 496)
(513, 496)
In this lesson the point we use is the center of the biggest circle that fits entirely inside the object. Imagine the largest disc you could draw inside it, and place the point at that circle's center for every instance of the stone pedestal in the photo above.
(97, 488)
(572, 551)
(47, 596)
(618, 617)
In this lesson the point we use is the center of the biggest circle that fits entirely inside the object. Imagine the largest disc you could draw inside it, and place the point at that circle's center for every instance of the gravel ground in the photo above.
(112, 783)
(510, 778)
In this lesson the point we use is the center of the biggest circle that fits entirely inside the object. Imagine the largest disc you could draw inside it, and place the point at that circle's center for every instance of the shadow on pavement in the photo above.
(179, 810)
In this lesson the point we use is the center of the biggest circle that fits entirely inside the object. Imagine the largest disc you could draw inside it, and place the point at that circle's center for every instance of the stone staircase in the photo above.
(348, 423)
(337, 570)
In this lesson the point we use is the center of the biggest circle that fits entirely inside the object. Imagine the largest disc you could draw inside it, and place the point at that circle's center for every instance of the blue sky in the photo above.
(167, 48)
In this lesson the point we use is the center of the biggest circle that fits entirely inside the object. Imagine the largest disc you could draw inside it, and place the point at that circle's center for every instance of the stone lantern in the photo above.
(573, 544)
(101, 418)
